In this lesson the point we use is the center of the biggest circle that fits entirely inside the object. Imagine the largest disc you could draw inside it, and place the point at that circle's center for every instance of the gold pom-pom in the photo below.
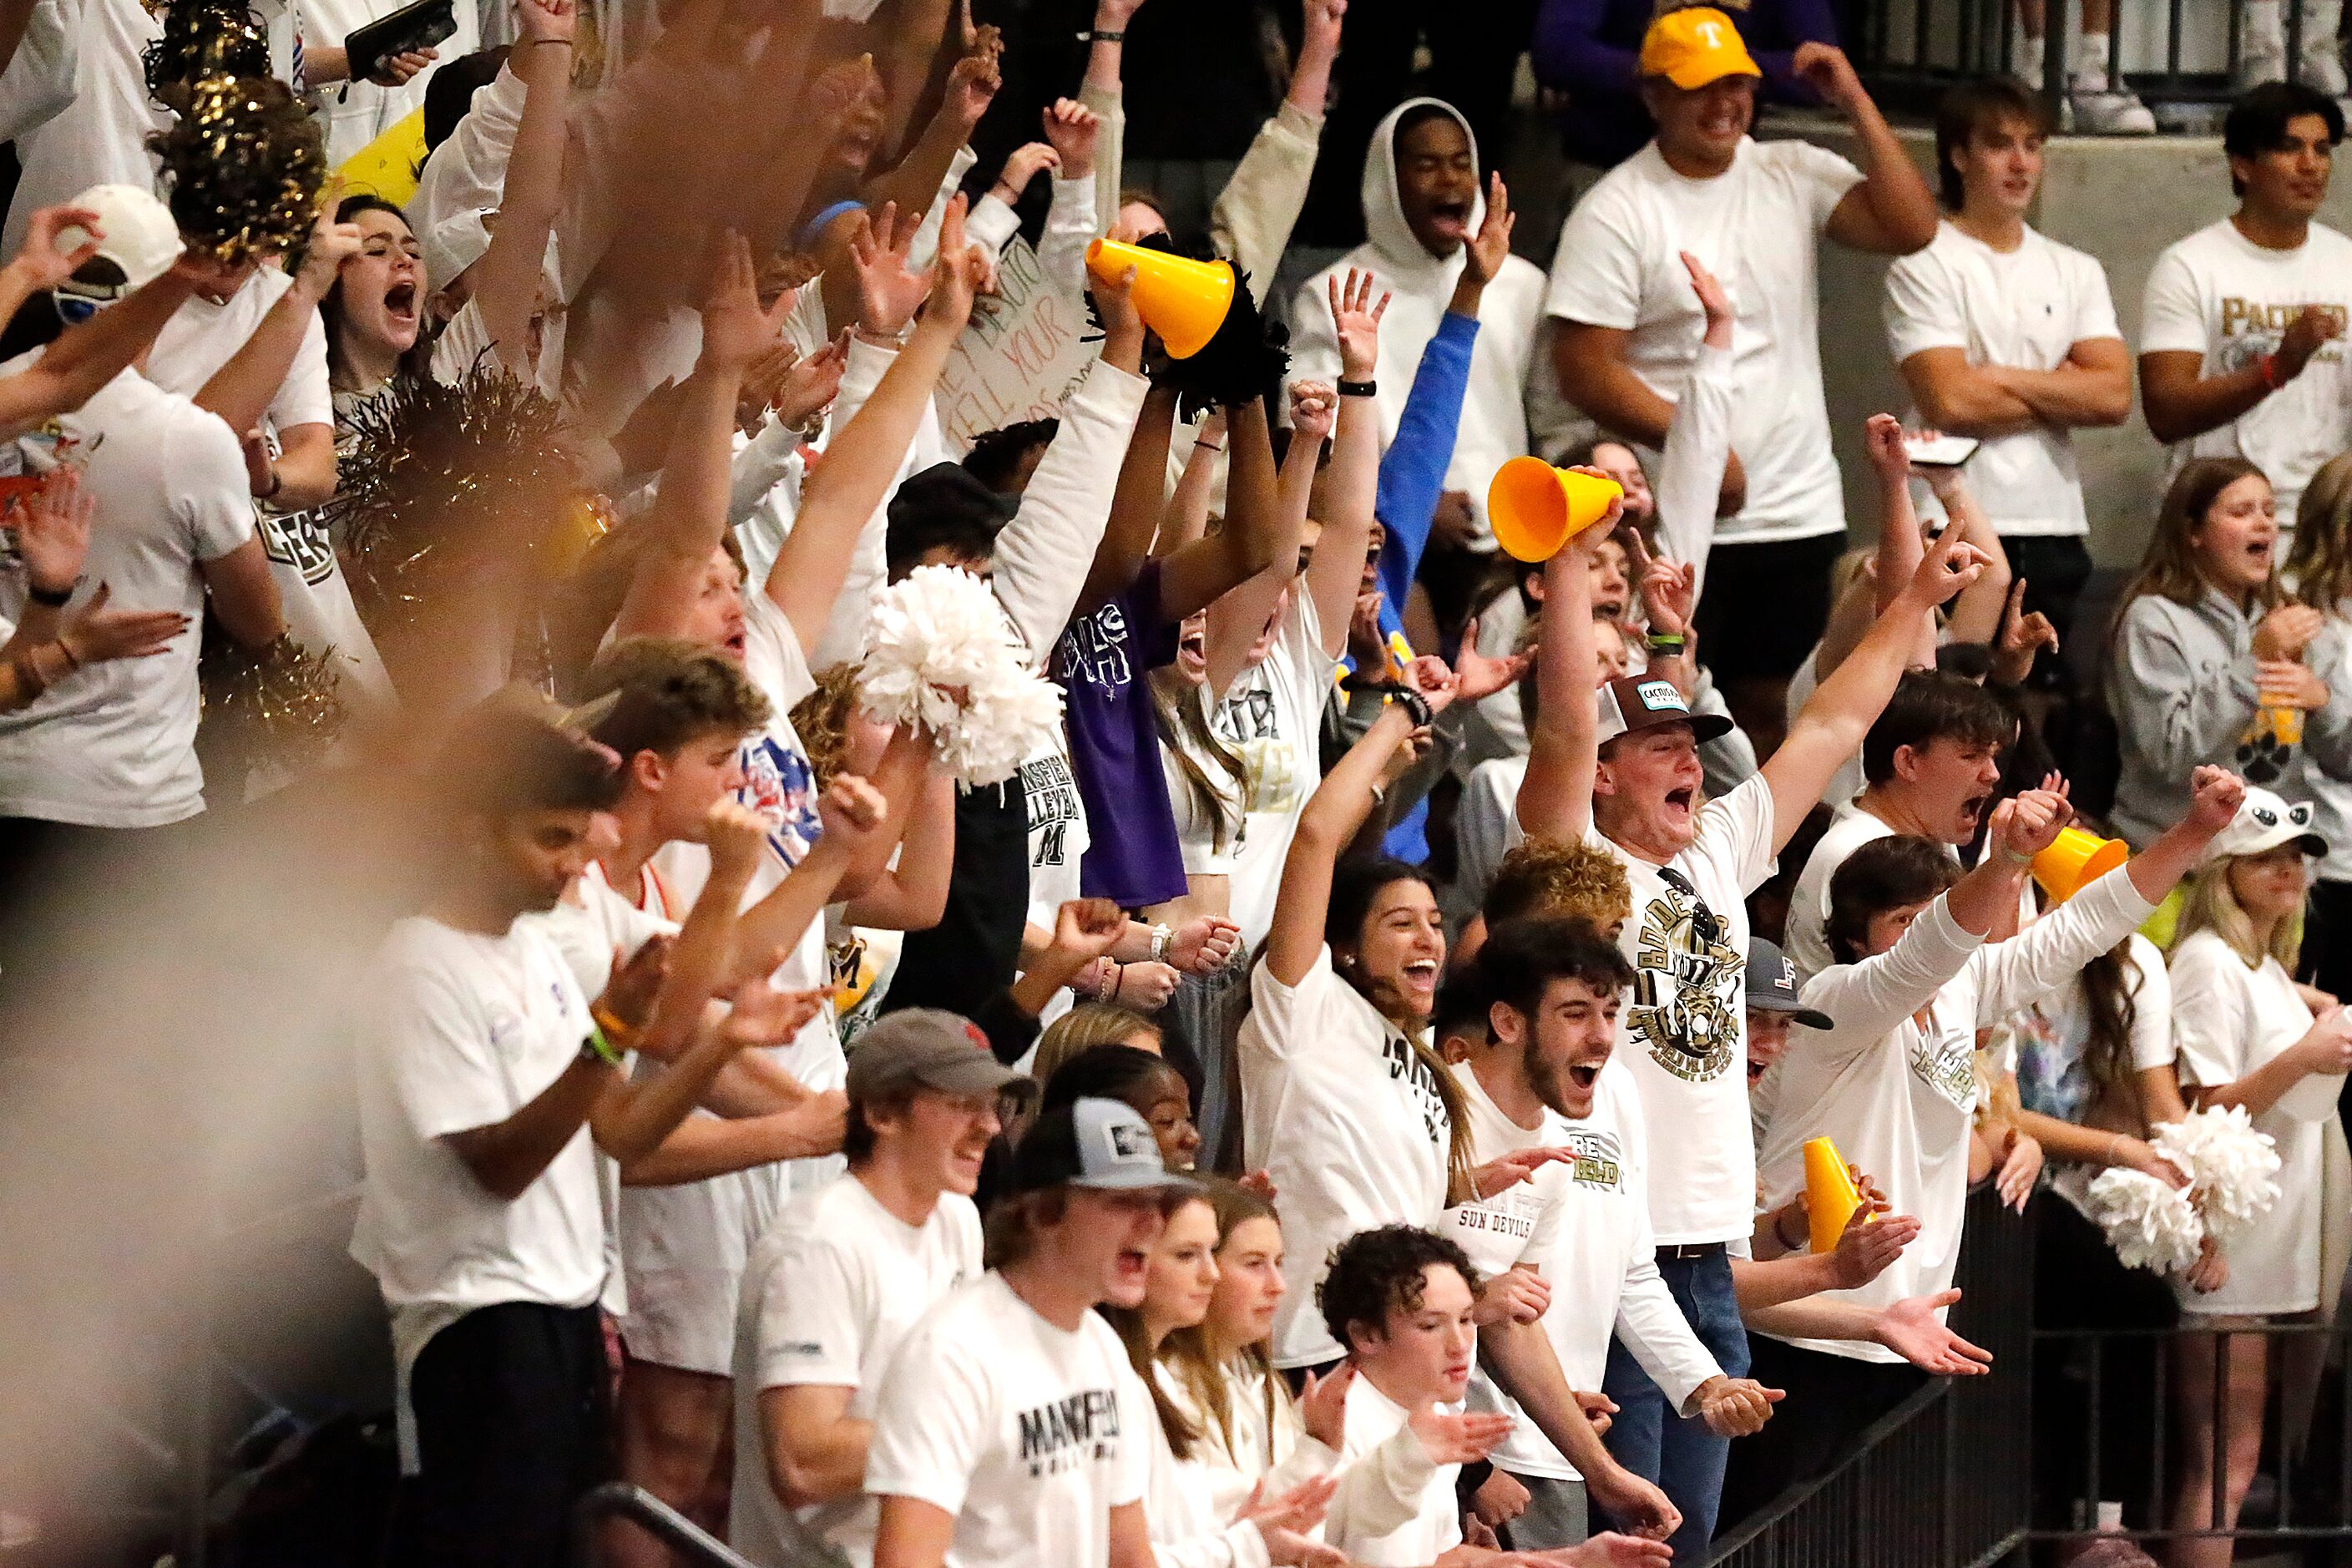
(245, 167)
(279, 705)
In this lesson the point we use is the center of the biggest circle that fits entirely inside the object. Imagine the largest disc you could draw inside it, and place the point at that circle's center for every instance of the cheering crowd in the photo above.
(1148, 977)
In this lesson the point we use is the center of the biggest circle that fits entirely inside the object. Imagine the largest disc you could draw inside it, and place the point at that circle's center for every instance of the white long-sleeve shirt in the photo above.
(1892, 1083)
(1071, 225)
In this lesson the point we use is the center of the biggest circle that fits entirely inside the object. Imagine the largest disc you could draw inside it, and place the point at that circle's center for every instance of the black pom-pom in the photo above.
(276, 706)
(245, 167)
(445, 482)
(1246, 361)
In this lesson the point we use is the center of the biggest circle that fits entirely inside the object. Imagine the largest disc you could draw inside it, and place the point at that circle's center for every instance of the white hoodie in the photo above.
(1494, 426)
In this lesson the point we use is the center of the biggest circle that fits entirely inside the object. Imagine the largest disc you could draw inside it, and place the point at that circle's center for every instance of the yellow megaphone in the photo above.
(1536, 508)
(2076, 859)
(1184, 300)
(1831, 1197)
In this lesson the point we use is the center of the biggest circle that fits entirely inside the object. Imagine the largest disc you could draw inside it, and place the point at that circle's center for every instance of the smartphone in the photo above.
(1940, 451)
(415, 26)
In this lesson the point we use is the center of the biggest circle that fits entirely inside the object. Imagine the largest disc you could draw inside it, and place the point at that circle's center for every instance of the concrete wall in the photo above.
(2123, 200)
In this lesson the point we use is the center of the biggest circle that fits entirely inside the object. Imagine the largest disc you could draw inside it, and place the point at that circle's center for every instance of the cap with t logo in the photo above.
(1098, 1143)
(1695, 46)
(1632, 702)
(1772, 985)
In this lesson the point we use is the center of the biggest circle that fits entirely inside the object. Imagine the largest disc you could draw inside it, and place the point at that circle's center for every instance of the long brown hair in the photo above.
(2107, 984)
(2321, 562)
(2170, 568)
(1185, 732)
(1186, 1351)
(1128, 1321)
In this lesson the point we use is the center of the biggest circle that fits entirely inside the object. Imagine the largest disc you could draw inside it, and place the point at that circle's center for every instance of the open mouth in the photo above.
(1585, 1075)
(1682, 798)
(1756, 1071)
(1451, 216)
(1421, 974)
(1972, 809)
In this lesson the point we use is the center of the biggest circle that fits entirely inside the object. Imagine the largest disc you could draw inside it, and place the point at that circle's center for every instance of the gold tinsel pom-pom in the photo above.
(245, 167)
(279, 705)
(444, 482)
(202, 38)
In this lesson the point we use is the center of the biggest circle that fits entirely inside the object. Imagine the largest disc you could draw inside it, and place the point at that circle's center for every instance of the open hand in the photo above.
(92, 634)
(39, 263)
(1477, 676)
(52, 529)
(888, 293)
(1868, 1244)
(736, 329)
(764, 1015)
(1356, 318)
(1323, 1406)
(1712, 298)
(1073, 129)
(1449, 1438)
(1911, 1330)
(1484, 257)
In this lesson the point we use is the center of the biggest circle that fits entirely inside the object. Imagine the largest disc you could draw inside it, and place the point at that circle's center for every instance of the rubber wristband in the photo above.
(1415, 705)
(2268, 366)
(1101, 35)
(2014, 859)
(596, 1045)
(615, 1030)
(1359, 389)
(1666, 642)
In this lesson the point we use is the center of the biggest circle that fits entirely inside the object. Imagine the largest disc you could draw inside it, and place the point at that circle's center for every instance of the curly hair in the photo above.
(1376, 1272)
(1560, 876)
(822, 722)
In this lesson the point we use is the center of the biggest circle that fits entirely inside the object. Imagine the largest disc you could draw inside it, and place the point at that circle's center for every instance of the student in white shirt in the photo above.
(844, 1275)
(2247, 1038)
(2240, 349)
(1193, 1524)
(1892, 1082)
(486, 1084)
(1752, 214)
(2006, 335)
(1009, 1432)
(1552, 986)
(1933, 762)
(1623, 776)
(1403, 1300)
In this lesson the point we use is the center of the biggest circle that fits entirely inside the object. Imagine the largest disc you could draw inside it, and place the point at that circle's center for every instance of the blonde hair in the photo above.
(1088, 1025)
(2321, 562)
(2208, 902)
(821, 718)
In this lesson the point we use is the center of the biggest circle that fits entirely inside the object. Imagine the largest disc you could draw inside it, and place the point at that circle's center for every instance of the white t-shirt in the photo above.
(1603, 1266)
(1807, 939)
(2218, 294)
(114, 746)
(2227, 1021)
(1346, 1118)
(100, 137)
(2026, 309)
(461, 1031)
(1522, 1223)
(1273, 720)
(831, 1291)
(202, 337)
(1756, 227)
(1684, 1033)
(1391, 1538)
(1027, 1433)
(1482, 824)
(1058, 834)
(684, 1246)
(1196, 832)
(1897, 1098)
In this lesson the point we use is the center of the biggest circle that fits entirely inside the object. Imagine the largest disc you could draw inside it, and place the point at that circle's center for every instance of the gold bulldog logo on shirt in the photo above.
(1685, 985)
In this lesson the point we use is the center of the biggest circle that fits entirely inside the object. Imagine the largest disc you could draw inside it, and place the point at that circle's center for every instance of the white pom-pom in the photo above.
(2150, 1223)
(939, 652)
(2232, 1167)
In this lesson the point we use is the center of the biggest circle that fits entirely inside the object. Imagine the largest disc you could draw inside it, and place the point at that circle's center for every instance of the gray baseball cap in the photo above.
(1098, 1143)
(1772, 985)
(924, 1047)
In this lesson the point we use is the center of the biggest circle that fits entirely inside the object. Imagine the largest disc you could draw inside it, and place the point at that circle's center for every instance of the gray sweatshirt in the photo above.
(2180, 684)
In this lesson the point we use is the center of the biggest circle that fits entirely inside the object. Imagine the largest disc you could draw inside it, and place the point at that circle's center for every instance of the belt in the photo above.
(1690, 1252)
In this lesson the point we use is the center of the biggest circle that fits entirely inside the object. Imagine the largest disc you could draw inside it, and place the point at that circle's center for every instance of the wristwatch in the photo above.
(1161, 937)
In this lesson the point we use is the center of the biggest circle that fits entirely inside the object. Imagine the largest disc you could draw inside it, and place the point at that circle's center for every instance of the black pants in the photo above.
(1832, 1399)
(2327, 938)
(513, 1427)
(2054, 569)
(2079, 1284)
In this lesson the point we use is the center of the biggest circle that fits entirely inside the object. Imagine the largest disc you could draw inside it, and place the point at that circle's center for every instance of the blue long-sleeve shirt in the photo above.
(1592, 49)
(1412, 476)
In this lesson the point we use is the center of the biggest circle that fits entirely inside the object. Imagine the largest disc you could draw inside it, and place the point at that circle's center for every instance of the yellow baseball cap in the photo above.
(1694, 46)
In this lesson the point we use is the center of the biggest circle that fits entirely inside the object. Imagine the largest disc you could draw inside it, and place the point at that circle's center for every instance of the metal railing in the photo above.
(2306, 1447)
(696, 1545)
(1941, 1480)
(2180, 57)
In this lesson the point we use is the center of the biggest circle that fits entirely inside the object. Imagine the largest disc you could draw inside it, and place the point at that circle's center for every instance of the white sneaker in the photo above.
(2104, 113)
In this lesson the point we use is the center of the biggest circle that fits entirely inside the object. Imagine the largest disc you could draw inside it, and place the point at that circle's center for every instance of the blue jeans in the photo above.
(1647, 1437)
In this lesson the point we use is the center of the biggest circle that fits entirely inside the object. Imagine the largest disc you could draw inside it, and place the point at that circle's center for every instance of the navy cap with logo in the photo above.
(1632, 702)
(1098, 1143)
(1772, 985)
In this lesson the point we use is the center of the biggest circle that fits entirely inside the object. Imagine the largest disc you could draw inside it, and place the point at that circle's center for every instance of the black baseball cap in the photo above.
(1091, 1143)
(1772, 985)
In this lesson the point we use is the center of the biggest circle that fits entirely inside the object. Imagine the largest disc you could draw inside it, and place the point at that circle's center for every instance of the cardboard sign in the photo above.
(1026, 350)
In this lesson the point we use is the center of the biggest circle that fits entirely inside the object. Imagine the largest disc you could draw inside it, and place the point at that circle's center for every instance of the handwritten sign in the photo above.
(1024, 353)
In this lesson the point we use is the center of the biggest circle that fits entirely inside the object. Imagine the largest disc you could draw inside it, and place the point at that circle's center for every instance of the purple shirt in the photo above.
(1133, 855)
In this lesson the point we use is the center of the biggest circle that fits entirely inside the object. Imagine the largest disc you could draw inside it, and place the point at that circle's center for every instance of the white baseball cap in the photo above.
(135, 234)
(2263, 823)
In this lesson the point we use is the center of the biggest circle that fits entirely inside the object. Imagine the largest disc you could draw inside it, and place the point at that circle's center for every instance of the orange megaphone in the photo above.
(1184, 300)
(1536, 508)
(1831, 1197)
(2076, 859)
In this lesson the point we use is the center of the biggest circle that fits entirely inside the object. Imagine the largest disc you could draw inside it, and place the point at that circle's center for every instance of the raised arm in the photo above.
(85, 357)
(1564, 744)
(1830, 727)
(851, 812)
(1236, 620)
(1135, 506)
(1328, 825)
(506, 279)
(1351, 483)
(972, 87)
(1256, 522)
(1698, 437)
(1890, 213)
(1976, 613)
